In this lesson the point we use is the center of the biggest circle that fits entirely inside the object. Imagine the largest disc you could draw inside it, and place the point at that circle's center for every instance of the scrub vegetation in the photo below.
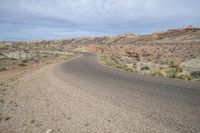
(172, 71)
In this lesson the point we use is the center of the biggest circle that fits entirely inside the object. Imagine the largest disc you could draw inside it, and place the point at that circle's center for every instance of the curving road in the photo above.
(173, 105)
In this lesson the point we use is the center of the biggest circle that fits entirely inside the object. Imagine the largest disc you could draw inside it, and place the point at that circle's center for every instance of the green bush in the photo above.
(197, 80)
(25, 61)
(176, 67)
(111, 62)
(22, 64)
(171, 73)
(144, 68)
(156, 73)
(174, 71)
(195, 74)
(3, 67)
(108, 61)
(126, 68)
(184, 76)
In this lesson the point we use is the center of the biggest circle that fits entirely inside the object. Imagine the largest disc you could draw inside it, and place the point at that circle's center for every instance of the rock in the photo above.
(49, 131)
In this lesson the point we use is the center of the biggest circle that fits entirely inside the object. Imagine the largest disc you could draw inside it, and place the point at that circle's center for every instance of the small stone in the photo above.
(49, 131)
(7, 118)
(2, 101)
(69, 118)
(87, 124)
(32, 121)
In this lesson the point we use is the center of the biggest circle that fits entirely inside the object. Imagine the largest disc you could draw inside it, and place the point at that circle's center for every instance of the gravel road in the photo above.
(83, 96)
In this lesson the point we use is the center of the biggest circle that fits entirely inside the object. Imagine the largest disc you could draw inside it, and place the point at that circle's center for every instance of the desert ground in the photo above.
(125, 83)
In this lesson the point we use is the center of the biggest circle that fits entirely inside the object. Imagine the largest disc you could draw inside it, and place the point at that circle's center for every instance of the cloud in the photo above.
(92, 17)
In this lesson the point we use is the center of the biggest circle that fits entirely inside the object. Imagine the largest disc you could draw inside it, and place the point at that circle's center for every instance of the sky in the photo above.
(58, 19)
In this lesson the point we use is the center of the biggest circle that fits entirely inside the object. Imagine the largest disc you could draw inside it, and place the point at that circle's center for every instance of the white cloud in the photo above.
(88, 11)
(103, 16)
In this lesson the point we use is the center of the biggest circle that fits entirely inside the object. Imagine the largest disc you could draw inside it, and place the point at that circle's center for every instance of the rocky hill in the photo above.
(157, 51)
(186, 34)
(173, 53)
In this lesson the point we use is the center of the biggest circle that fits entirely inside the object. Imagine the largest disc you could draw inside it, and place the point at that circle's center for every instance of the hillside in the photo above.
(173, 53)
(186, 34)
(157, 52)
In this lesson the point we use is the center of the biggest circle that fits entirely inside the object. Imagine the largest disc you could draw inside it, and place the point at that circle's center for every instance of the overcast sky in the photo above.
(55, 19)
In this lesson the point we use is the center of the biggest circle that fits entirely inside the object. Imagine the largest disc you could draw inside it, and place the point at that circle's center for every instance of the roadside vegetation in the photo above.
(21, 54)
(113, 63)
(172, 71)
(3, 67)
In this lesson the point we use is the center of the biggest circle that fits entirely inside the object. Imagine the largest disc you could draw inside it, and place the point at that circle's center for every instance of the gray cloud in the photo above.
(70, 18)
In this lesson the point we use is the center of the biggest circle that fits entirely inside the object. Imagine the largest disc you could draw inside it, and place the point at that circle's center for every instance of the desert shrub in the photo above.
(171, 73)
(156, 73)
(107, 60)
(112, 62)
(25, 61)
(184, 76)
(13, 59)
(103, 58)
(56, 55)
(119, 66)
(36, 60)
(22, 64)
(197, 79)
(3, 67)
(195, 74)
(144, 68)
(146, 54)
(174, 71)
(126, 68)
(176, 67)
